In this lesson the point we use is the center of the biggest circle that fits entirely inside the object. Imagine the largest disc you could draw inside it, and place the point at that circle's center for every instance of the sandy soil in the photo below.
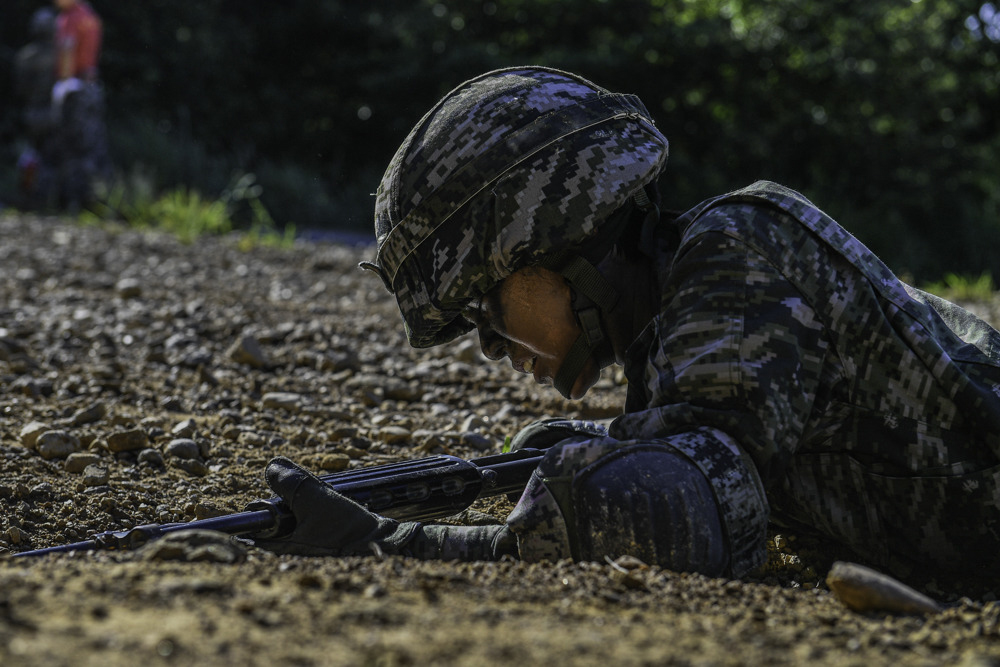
(170, 373)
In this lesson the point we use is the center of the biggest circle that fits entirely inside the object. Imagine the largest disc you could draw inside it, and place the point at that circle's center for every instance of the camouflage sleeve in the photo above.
(727, 375)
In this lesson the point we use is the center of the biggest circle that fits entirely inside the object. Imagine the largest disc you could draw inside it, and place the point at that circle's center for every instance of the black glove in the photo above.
(328, 523)
(547, 432)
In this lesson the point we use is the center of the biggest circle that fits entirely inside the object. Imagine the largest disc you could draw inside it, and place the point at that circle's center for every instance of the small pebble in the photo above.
(334, 462)
(281, 400)
(151, 457)
(392, 435)
(192, 466)
(89, 415)
(96, 475)
(128, 288)
(184, 429)
(247, 351)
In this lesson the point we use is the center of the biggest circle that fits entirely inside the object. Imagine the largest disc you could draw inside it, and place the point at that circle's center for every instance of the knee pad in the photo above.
(604, 498)
(648, 502)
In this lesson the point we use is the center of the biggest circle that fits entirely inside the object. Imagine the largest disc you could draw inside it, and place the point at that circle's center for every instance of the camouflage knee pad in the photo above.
(604, 497)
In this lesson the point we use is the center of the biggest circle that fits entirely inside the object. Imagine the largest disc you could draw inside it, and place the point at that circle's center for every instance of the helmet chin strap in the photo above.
(592, 295)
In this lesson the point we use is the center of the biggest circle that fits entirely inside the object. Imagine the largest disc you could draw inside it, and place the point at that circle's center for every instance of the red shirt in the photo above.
(78, 42)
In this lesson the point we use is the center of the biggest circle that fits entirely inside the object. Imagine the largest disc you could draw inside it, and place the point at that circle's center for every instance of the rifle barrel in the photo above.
(429, 488)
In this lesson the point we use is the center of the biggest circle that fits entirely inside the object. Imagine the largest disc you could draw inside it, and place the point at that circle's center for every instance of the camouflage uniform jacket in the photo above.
(808, 382)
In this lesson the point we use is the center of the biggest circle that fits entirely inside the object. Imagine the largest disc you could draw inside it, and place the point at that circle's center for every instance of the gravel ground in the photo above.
(143, 380)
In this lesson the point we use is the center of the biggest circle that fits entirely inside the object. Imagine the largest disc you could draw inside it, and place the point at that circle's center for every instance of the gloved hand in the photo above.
(328, 523)
(547, 432)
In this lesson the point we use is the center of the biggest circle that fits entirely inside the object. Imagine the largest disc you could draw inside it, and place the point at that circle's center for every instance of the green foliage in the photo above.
(181, 212)
(884, 113)
(188, 215)
(964, 288)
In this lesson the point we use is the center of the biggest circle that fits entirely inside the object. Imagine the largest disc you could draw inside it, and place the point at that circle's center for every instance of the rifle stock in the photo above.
(422, 489)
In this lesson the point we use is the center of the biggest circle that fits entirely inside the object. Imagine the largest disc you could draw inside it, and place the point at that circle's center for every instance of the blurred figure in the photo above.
(34, 76)
(81, 153)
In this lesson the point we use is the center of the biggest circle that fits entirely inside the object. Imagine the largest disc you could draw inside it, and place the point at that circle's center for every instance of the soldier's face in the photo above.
(528, 318)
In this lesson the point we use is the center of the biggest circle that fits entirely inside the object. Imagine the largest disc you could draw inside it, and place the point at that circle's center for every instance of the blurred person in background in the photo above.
(34, 76)
(81, 153)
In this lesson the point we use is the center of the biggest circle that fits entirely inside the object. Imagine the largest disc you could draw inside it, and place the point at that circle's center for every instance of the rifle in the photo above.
(429, 488)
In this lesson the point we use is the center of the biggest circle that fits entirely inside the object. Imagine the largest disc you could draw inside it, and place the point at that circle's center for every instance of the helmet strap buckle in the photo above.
(380, 272)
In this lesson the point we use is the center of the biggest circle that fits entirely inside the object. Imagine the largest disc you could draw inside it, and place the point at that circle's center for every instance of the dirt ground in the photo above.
(143, 380)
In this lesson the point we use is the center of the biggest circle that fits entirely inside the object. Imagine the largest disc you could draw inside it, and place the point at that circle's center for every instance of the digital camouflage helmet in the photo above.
(513, 168)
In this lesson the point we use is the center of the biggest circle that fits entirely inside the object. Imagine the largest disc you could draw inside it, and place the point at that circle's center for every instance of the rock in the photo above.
(338, 360)
(183, 448)
(399, 390)
(78, 461)
(282, 400)
(468, 351)
(32, 387)
(96, 475)
(172, 403)
(151, 457)
(184, 429)
(251, 439)
(375, 386)
(128, 288)
(334, 462)
(474, 423)
(204, 447)
(863, 589)
(56, 444)
(89, 415)
(207, 511)
(194, 545)
(392, 435)
(247, 351)
(194, 467)
(30, 432)
(127, 441)
(476, 441)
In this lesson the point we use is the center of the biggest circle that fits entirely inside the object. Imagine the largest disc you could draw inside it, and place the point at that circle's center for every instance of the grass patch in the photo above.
(188, 215)
(955, 287)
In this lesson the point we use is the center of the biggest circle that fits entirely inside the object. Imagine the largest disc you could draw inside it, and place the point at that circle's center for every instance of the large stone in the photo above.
(89, 415)
(127, 441)
(77, 462)
(96, 475)
(183, 448)
(56, 444)
(31, 431)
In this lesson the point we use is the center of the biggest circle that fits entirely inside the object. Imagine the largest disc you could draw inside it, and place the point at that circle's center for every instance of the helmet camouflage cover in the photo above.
(507, 169)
